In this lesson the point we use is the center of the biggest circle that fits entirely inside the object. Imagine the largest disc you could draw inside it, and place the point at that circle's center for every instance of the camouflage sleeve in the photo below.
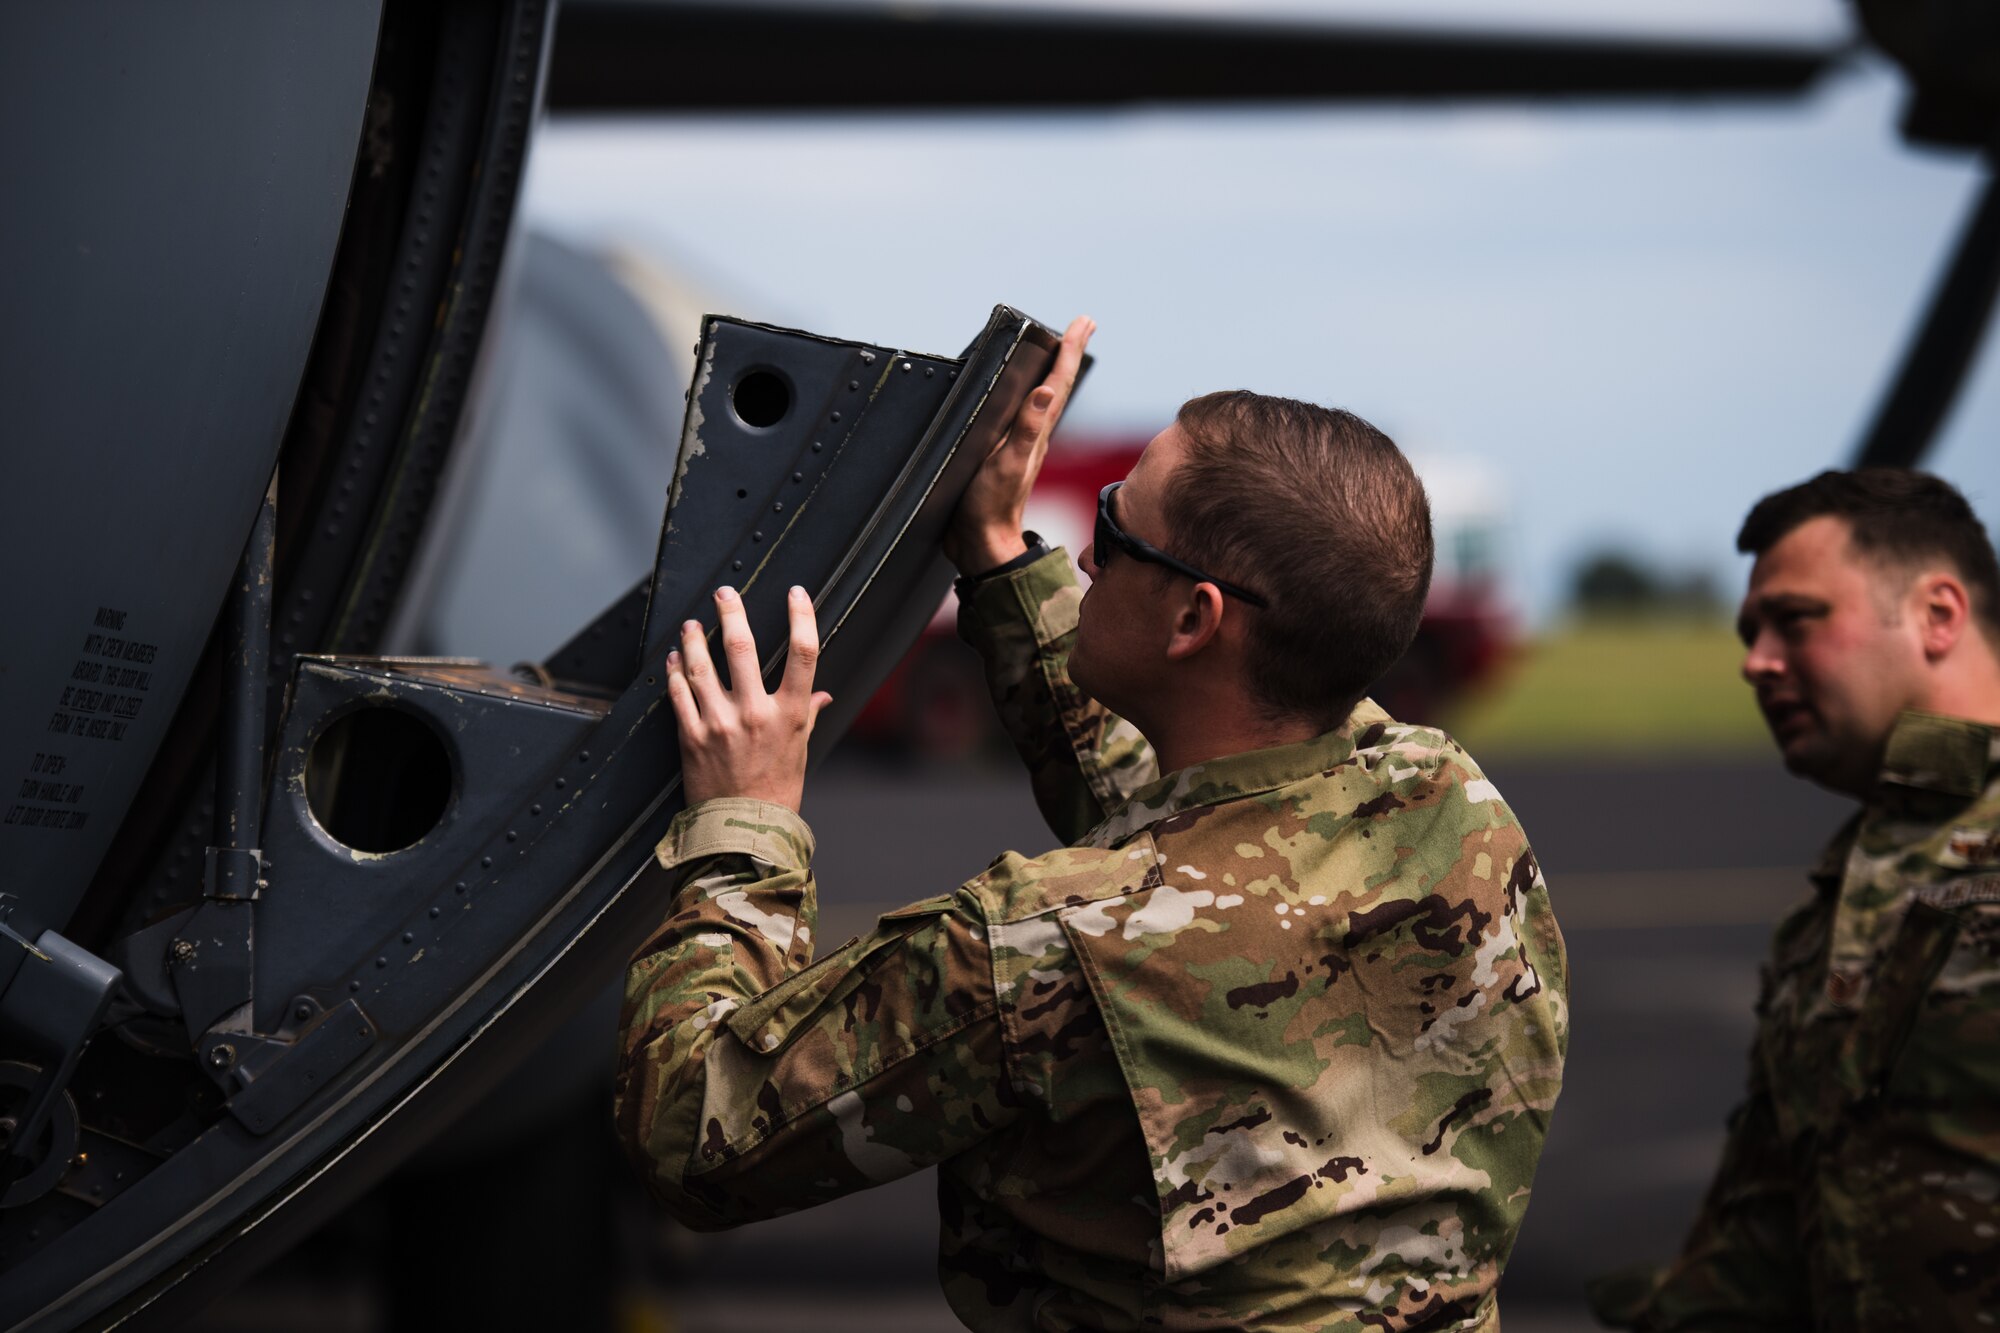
(1741, 1269)
(750, 1084)
(1083, 759)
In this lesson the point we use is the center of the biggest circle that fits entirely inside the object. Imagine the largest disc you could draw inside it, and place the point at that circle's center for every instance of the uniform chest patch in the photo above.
(1961, 892)
(1974, 846)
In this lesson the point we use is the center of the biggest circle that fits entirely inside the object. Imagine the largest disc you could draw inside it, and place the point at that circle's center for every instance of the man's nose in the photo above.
(1088, 559)
(1762, 659)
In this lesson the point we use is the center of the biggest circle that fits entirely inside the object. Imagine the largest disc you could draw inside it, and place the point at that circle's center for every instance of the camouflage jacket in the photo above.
(1272, 1045)
(1860, 1186)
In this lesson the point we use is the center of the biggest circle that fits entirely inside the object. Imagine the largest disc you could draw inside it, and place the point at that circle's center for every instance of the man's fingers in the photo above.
(700, 671)
(682, 698)
(1069, 363)
(803, 658)
(739, 646)
(1038, 416)
(1020, 450)
(1069, 357)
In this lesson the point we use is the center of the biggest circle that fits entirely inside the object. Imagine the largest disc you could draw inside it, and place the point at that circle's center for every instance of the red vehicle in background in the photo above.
(934, 705)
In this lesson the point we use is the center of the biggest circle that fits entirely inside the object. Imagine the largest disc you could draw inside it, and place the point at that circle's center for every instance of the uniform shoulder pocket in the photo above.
(769, 1022)
(766, 1023)
(921, 911)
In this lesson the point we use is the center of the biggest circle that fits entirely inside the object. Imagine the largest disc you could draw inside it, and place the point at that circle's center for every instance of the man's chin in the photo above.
(1084, 678)
(1810, 758)
(1803, 751)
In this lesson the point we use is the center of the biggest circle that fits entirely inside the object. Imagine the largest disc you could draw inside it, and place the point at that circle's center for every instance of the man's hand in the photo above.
(744, 741)
(985, 533)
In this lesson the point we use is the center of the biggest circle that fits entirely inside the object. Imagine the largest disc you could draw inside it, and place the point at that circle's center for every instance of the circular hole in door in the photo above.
(761, 398)
(378, 779)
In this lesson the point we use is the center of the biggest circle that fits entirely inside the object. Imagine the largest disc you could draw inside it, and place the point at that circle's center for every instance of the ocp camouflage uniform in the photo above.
(1274, 1045)
(1860, 1186)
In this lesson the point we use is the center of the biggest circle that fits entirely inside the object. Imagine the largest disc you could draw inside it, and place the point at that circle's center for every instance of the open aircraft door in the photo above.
(274, 909)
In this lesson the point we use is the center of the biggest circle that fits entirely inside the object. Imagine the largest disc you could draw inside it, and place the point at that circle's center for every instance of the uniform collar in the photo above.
(1932, 753)
(1929, 757)
(1250, 773)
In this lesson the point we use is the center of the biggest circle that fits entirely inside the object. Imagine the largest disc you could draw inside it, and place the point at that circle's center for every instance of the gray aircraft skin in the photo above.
(276, 907)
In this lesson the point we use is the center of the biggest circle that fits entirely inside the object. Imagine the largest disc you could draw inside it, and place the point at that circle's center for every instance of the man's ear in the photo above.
(1197, 622)
(1944, 612)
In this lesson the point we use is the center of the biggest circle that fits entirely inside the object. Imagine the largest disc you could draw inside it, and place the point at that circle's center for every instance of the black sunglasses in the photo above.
(1110, 537)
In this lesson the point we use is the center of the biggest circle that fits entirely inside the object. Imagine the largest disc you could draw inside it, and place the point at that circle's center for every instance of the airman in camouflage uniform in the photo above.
(1272, 1044)
(1860, 1186)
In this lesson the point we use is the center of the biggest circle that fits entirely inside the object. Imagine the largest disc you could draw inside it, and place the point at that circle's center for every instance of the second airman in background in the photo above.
(1860, 1185)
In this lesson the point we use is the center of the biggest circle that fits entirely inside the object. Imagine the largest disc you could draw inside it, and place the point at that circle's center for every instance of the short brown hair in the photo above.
(1896, 517)
(1320, 512)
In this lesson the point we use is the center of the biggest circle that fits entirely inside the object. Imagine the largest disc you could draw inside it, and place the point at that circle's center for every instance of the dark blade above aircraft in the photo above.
(710, 55)
(1950, 53)
(1935, 366)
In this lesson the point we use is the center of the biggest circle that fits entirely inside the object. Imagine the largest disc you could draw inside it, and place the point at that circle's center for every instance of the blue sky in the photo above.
(1642, 318)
